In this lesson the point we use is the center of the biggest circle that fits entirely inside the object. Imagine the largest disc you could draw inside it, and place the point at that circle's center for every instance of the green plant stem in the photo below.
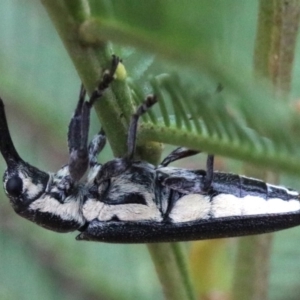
(89, 62)
(284, 38)
(263, 38)
(168, 259)
(251, 274)
(180, 257)
(174, 136)
(276, 41)
(251, 271)
(273, 59)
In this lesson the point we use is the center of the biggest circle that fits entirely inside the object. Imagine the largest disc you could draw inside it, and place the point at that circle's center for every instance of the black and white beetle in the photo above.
(128, 201)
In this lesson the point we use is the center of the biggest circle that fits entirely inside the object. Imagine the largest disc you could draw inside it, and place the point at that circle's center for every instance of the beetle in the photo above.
(131, 201)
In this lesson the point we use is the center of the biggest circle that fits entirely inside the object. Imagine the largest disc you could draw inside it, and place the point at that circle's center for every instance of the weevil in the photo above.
(131, 201)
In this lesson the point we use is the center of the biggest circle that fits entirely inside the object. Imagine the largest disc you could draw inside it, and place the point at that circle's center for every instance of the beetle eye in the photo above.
(14, 186)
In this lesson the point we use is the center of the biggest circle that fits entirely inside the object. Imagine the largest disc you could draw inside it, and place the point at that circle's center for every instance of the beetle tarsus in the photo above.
(107, 78)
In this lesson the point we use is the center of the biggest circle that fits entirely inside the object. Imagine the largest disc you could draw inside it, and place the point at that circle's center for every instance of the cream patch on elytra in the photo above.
(91, 209)
(190, 207)
(130, 212)
(69, 210)
(224, 205)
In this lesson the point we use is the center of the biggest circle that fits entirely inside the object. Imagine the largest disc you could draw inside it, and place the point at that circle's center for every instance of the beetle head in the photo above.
(27, 188)
(23, 183)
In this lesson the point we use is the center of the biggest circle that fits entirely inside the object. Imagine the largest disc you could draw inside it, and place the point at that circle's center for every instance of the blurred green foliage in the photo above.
(40, 87)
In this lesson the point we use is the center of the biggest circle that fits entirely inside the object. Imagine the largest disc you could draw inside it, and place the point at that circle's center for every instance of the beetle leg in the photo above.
(120, 165)
(107, 79)
(209, 173)
(192, 182)
(77, 138)
(96, 146)
(112, 168)
(177, 154)
(131, 140)
(80, 156)
(187, 185)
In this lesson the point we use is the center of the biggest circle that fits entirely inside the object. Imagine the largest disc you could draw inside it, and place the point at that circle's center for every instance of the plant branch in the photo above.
(206, 143)
(89, 62)
(283, 43)
(251, 274)
(170, 266)
(273, 59)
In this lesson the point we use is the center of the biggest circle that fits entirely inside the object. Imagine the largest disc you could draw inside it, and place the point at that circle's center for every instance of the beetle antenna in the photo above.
(7, 147)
